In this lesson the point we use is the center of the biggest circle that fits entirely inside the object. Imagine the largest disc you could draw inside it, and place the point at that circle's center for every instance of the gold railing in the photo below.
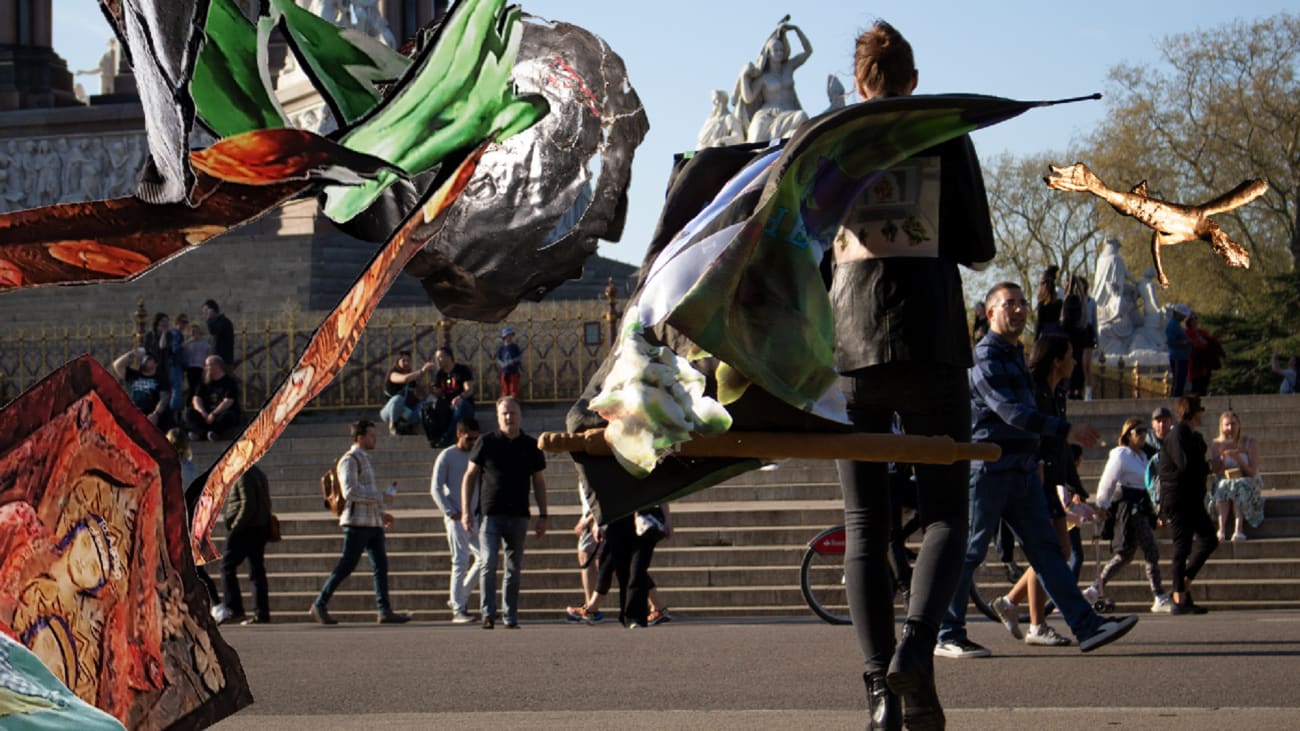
(563, 345)
(1116, 380)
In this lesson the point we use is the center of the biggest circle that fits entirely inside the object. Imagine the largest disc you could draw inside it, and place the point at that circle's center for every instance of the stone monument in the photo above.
(764, 98)
(1130, 321)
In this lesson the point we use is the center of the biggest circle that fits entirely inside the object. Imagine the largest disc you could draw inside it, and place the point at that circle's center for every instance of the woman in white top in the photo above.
(1237, 484)
(1122, 489)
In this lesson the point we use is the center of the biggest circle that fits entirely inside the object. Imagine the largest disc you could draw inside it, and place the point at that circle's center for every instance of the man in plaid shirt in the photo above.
(363, 520)
(1004, 411)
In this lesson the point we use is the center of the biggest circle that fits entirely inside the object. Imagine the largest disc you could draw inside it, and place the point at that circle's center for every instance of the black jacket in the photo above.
(1183, 468)
(910, 308)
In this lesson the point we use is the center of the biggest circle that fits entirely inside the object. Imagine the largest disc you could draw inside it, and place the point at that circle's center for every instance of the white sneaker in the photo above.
(1238, 536)
(1092, 595)
(1162, 605)
(1009, 614)
(461, 618)
(220, 613)
(1111, 629)
(1044, 636)
(1221, 536)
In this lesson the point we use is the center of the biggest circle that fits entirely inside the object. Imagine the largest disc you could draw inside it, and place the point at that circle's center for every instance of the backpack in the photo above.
(332, 491)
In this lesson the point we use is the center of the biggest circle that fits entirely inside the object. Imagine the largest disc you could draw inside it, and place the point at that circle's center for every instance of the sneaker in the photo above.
(461, 618)
(1162, 604)
(1092, 594)
(391, 617)
(321, 616)
(659, 617)
(1111, 629)
(1238, 536)
(1044, 636)
(1009, 615)
(220, 614)
(212, 436)
(195, 436)
(960, 649)
(488, 623)
(1220, 535)
(584, 615)
(512, 625)
(596, 617)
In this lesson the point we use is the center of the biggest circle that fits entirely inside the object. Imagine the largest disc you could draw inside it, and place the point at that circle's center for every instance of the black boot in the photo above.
(911, 677)
(883, 705)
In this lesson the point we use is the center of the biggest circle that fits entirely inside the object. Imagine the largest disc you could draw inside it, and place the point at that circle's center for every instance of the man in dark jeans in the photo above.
(248, 522)
(508, 462)
(1005, 412)
(363, 520)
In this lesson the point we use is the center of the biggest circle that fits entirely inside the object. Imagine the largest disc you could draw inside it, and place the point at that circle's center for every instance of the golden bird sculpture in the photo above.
(1171, 223)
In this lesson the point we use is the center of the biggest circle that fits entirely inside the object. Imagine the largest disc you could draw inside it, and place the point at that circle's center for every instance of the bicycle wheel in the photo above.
(821, 576)
(982, 605)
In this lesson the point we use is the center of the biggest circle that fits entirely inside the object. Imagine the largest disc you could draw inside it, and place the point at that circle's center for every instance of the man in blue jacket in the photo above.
(1004, 411)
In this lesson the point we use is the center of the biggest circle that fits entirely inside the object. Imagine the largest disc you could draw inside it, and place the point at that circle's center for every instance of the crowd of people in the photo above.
(410, 407)
(179, 375)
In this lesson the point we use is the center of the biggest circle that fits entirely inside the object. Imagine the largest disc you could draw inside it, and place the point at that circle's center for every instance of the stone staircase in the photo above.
(737, 547)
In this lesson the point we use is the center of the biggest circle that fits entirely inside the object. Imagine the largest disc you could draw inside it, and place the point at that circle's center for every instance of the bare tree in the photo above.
(1036, 227)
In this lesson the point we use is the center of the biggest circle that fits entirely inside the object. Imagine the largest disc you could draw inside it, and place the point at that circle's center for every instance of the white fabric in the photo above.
(1125, 467)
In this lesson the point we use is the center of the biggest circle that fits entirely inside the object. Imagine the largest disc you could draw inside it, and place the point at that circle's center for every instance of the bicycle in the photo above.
(821, 579)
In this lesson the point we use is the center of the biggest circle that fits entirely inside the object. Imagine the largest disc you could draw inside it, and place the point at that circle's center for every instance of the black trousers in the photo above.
(241, 547)
(932, 399)
(225, 421)
(1190, 524)
(626, 556)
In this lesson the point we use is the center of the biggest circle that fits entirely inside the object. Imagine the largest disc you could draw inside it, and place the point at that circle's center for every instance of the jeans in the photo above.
(357, 539)
(1076, 553)
(1178, 376)
(396, 414)
(932, 399)
(464, 547)
(239, 548)
(493, 531)
(1017, 497)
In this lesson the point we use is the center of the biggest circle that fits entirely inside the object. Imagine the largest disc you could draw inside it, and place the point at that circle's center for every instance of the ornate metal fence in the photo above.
(563, 344)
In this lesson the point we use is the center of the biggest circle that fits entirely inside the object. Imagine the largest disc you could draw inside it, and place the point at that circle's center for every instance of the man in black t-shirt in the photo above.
(453, 392)
(507, 462)
(215, 406)
(148, 386)
(222, 331)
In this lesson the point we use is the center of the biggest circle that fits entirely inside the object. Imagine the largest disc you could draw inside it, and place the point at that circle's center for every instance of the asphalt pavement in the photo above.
(1222, 670)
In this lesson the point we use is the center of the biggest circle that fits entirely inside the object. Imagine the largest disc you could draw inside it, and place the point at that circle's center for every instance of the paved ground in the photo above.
(1222, 670)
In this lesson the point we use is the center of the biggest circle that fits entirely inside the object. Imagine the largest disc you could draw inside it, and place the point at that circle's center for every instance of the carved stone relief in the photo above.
(40, 171)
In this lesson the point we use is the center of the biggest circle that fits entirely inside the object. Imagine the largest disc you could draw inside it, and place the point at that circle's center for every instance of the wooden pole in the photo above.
(797, 445)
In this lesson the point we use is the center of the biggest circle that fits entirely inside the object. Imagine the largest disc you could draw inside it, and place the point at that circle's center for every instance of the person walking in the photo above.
(503, 465)
(448, 475)
(1004, 412)
(1180, 348)
(248, 524)
(1122, 491)
(363, 521)
(1183, 474)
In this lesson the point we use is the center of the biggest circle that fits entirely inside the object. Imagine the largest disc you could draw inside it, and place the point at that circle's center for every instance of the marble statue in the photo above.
(371, 22)
(835, 92)
(106, 69)
(1129, 319)
(721, 128)
(764, 98)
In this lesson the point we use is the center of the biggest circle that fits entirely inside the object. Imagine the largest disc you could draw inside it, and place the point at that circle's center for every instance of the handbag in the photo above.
(273, 530)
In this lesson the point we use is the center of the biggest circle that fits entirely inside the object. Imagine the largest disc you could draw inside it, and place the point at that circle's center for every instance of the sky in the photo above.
(678, 52)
